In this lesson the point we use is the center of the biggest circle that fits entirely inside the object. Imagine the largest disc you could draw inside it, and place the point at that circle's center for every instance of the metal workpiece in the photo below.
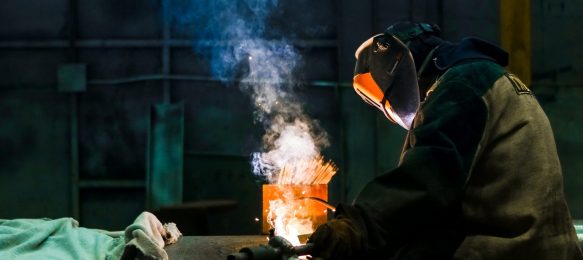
(277, 248)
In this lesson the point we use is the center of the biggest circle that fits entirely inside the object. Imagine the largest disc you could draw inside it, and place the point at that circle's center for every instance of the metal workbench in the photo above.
(219, 247)
(211, 247)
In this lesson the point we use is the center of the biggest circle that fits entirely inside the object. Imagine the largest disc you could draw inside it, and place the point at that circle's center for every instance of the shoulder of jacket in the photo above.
(478, 76)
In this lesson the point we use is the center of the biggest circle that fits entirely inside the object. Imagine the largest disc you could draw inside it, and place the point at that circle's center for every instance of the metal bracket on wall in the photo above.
(165, 155)
(72, 78)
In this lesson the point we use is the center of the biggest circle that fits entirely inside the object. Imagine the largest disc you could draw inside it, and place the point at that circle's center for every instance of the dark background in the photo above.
(47, 136)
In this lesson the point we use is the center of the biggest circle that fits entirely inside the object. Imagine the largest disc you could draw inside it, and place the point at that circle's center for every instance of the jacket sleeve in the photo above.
(414, 210)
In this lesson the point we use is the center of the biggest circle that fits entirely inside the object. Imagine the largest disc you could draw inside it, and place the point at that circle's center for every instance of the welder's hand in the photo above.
(337, 240)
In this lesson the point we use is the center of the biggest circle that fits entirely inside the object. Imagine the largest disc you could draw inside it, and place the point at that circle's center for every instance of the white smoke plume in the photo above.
(291, 136)
(262, 65)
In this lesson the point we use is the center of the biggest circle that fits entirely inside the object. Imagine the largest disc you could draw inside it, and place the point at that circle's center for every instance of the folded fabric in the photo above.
(64, 239)
(146, 238)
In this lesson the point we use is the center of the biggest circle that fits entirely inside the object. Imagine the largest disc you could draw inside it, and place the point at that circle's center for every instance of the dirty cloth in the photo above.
(64, 239)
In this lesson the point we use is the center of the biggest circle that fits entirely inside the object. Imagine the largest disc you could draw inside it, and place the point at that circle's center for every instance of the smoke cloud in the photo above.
(262, 67)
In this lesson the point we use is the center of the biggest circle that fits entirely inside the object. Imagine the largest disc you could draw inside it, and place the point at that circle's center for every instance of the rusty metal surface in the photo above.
(211, 247)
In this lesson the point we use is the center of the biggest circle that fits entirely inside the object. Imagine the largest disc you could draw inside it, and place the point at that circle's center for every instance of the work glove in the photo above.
(339, 239)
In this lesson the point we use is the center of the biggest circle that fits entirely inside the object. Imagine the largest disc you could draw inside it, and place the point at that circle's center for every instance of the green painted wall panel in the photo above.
(34, 154)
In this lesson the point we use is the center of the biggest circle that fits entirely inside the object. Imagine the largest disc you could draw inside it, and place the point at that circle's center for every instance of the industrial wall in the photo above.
(82, 151)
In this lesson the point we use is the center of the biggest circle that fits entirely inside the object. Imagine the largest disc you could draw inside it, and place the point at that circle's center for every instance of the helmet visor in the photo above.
(385, 78)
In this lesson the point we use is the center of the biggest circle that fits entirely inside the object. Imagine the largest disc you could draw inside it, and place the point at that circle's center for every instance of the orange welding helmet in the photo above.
(385, 78)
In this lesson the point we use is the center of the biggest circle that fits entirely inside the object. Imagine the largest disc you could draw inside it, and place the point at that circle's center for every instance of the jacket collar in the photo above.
(449, 54)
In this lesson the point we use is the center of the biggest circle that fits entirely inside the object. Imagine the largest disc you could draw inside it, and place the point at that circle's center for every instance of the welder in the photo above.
(479, 175)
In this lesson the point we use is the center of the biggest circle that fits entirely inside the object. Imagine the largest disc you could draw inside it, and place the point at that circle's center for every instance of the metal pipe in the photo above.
(149, 78)
(317, 83)
(74, 146)
(74, 114)
(143, 43)
(208, 154)
(166, 87)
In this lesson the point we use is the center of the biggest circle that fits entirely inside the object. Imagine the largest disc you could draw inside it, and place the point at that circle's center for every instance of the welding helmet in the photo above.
(385, 78)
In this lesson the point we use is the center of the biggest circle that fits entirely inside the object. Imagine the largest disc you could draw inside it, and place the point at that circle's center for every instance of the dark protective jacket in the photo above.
(479, 177)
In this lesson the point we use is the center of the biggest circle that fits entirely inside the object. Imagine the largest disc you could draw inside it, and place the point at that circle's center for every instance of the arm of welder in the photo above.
(415, 209)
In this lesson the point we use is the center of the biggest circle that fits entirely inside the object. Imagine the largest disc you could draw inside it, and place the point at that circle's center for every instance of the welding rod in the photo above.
(319, 200)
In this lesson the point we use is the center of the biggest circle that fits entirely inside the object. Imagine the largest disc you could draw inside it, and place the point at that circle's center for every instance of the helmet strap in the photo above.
(426, 61)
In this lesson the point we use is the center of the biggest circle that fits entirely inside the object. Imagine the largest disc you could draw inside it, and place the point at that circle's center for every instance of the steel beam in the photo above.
(515, 36)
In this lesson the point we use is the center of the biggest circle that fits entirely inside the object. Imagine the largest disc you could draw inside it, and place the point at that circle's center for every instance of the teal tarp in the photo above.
(63, 239)
(56, 239)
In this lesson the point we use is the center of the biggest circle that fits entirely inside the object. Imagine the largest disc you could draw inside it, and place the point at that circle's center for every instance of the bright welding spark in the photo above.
(283, 218)
(256, 219)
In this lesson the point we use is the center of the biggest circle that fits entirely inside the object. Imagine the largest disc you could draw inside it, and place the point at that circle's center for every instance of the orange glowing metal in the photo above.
(295, 203)
(300, 215)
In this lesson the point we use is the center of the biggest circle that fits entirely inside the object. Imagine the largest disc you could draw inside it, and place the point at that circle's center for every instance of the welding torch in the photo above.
(277, 248)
